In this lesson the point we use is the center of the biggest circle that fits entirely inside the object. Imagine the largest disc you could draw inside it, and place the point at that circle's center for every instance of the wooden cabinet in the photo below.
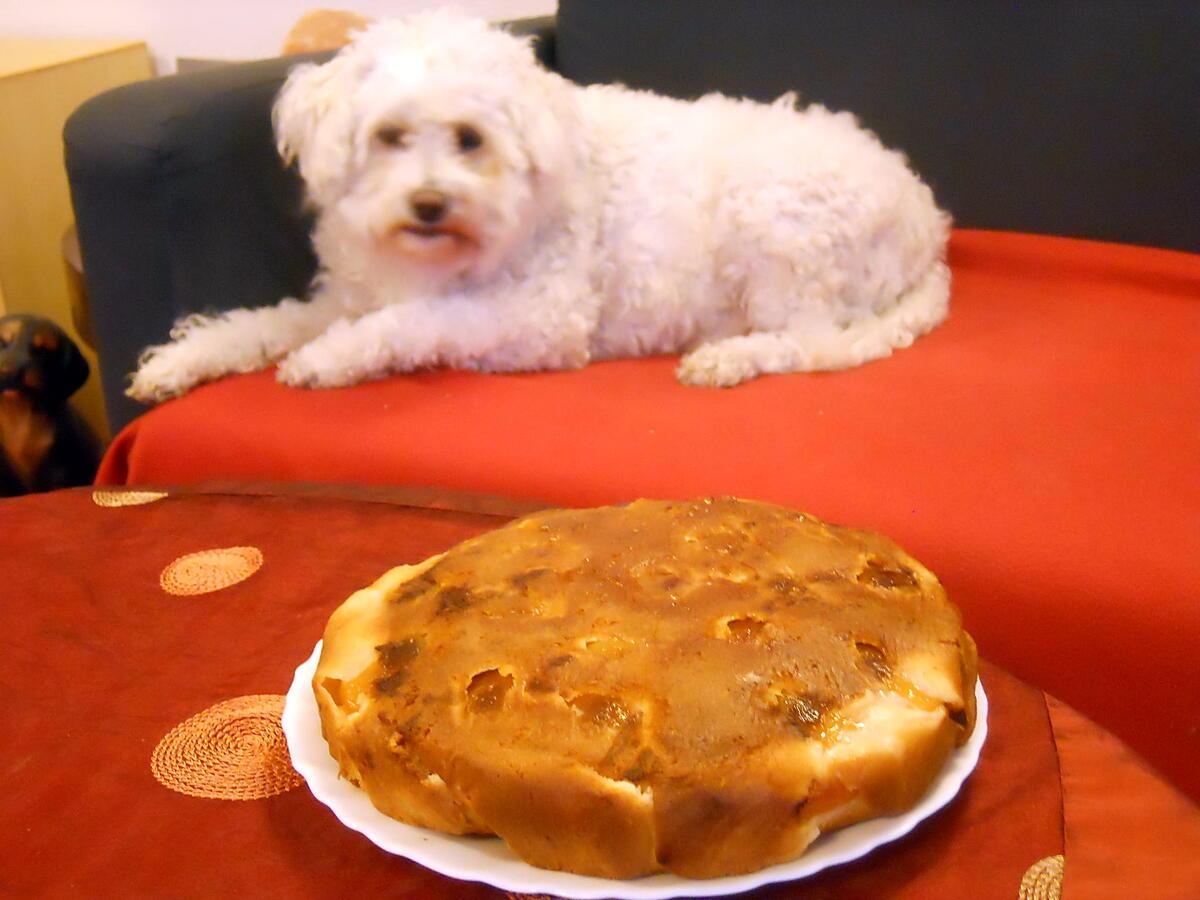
(42, 81)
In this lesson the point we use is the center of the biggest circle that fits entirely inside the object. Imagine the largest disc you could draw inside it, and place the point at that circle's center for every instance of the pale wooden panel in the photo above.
(35, 206)
(22, 55)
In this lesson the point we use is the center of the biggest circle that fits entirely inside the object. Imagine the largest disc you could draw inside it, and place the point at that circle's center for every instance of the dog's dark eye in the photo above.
(468, 138)
(390, 135)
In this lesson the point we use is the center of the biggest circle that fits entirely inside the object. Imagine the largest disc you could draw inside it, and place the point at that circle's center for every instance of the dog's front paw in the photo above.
(308, 368)
(163, 372)
(712, 366)
(294, 371)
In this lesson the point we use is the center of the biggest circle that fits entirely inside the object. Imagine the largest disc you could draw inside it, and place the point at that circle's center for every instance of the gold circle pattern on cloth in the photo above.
(210, 570)
(1043, 880)
(114, 499)
(234, 750)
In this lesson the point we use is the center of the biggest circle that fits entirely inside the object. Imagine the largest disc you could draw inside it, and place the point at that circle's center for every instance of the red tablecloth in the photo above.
(1038, 451)
(100, 662)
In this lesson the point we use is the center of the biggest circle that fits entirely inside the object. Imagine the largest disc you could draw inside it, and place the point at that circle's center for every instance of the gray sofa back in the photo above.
(1075, 117)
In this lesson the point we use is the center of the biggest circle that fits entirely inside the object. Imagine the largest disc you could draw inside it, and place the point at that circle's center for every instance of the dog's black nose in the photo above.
(429, 206)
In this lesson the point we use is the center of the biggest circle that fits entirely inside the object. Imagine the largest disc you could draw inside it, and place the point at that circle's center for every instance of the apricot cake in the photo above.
(695, 687)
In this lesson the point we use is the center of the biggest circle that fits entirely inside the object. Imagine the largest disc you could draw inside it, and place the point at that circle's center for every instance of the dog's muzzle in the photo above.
(434, 230)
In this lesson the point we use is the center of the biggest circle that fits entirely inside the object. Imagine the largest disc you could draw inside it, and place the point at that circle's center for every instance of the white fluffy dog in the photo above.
(477, 211)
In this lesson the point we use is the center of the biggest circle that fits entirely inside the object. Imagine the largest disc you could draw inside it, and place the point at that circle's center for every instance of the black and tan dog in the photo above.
(44, 443)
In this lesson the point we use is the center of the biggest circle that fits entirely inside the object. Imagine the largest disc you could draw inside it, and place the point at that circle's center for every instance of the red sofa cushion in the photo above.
(1038, 451)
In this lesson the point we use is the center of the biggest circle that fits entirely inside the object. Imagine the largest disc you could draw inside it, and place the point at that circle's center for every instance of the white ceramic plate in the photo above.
(489, 860)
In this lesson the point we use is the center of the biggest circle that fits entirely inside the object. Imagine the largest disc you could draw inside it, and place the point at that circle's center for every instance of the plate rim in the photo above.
(300, 715)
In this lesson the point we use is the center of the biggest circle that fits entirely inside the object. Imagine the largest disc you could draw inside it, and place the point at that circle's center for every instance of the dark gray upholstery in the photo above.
(1075, 117)
(182, 206)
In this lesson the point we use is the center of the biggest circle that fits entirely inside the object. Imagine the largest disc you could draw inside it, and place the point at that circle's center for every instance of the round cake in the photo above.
(701, 688)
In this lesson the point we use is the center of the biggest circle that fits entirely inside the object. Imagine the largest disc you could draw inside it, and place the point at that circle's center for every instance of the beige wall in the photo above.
(41, 83)
(216, 29)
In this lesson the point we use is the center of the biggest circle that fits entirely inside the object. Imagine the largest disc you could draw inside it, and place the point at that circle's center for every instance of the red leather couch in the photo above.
(1040, 451)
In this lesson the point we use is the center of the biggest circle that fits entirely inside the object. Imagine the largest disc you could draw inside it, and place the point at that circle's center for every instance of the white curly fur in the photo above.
(590, 223)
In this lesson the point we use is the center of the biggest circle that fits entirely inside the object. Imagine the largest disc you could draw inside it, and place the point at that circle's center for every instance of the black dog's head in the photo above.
(38, 360)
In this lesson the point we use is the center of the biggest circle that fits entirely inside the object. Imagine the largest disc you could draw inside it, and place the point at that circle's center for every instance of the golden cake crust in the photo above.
(694, 687)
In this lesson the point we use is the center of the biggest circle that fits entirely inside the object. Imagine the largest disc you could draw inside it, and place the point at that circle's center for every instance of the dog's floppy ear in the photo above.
(544, 120)
(73, 369)
(315, 123)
